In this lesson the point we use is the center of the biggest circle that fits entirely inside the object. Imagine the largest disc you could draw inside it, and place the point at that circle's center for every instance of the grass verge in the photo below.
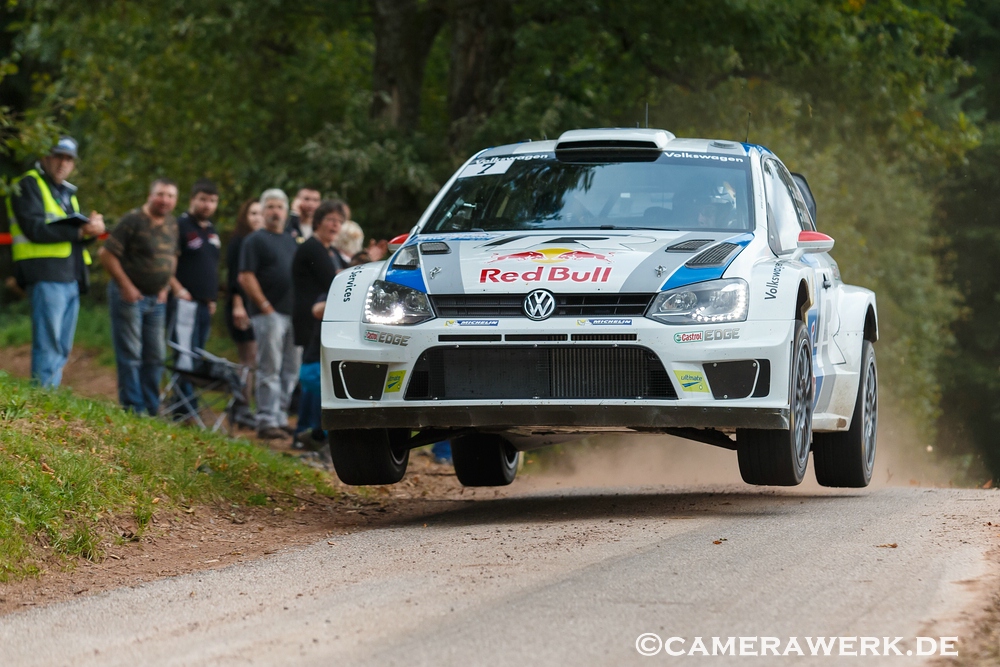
(73, 469)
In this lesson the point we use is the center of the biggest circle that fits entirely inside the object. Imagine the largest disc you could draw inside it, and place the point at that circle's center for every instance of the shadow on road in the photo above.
(585, 506)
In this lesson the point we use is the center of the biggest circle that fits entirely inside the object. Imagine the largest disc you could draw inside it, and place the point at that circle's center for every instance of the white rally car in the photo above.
(612, 280)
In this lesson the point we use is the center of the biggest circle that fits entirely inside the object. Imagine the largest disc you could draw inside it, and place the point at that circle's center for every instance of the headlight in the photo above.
(710, 302)
(406, 258)
(389, 303)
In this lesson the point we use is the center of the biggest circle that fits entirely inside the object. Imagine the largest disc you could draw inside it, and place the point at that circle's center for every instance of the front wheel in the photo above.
(484, 459)
(370, 456)
(847, 458)
(779, 457)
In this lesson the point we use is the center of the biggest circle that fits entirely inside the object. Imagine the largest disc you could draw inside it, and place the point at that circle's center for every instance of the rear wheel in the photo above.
(779, 457)
(370, 456)
(847, 458)
(484, 459)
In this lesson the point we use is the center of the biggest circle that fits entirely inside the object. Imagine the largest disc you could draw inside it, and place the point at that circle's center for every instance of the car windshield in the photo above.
(540, 191)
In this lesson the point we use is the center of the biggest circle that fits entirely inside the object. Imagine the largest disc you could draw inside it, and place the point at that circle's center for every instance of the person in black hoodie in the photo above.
(194, 288)
(313, 269)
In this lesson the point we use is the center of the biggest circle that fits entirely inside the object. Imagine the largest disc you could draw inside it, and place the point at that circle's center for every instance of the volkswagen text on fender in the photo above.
(611, 280)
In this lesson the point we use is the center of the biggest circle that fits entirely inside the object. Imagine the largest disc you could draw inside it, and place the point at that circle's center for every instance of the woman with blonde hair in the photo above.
(350, 243)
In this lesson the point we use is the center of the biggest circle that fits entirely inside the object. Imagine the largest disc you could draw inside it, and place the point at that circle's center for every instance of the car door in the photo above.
(827, 273)
(788, 215)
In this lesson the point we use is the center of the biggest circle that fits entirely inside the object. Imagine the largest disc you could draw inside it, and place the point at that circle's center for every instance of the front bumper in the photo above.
(683, 350)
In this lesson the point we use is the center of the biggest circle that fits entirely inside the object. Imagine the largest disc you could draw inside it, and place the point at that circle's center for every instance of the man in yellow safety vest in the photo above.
(50, 256)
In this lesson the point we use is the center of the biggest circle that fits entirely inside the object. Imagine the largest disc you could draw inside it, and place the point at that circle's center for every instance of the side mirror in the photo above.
(397, 242)
(812, 242)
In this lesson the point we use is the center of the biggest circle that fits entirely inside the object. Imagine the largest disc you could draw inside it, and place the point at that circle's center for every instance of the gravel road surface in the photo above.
(547, 578)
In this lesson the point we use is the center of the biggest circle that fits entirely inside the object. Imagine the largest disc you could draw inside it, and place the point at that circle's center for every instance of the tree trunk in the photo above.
(404, 33)
(482, 40)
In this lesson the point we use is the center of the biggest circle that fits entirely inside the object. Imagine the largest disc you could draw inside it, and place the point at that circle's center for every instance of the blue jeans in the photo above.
(137, 335)
(311, 400)
(190, 338)
(54, 311)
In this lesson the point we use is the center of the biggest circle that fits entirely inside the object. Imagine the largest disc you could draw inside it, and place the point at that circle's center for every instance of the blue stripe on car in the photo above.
(413, 278)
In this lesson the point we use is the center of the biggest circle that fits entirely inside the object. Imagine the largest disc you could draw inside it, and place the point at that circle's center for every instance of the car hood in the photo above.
(560, 261)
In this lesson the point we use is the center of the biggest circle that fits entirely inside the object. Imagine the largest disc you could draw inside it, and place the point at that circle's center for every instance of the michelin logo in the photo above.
(472, 323)
(605, 321)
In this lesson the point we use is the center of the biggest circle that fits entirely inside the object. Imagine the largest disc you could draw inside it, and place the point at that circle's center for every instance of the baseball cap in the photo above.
(66, 146)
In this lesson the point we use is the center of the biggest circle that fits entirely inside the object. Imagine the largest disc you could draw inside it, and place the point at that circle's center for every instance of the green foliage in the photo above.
(23, 134)
(971, 375)
(966, 217)
(73, 469)
(226, 90)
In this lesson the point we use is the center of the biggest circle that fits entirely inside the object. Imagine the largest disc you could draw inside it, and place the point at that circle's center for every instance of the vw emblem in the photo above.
(539, 305)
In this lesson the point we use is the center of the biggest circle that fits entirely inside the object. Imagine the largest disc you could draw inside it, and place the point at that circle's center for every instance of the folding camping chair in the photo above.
(217, 386)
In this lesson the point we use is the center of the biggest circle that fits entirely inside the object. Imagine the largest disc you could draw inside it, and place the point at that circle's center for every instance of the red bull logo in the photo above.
(552, 256)
(553, 274)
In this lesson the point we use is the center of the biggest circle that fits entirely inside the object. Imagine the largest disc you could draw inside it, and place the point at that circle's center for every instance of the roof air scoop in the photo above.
(615, 138)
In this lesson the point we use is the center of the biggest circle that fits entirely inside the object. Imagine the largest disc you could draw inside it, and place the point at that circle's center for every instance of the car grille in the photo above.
(527, 372)
(567, 305)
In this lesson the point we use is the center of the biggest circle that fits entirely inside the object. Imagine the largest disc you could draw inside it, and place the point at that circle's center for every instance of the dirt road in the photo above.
(557, 578)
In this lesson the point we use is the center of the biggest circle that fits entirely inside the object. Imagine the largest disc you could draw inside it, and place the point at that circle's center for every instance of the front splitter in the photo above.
(583, 416)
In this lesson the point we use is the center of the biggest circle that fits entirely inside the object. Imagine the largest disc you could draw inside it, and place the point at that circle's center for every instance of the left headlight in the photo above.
(710, 302)
(389, 303)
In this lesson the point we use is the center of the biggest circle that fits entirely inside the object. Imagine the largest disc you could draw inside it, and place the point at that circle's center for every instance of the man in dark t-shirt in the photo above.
(195, 287)
(141, 257)
(315, 265)
(266, 278)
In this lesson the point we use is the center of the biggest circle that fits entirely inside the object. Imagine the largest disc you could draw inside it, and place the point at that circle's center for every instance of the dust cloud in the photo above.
(617, 460)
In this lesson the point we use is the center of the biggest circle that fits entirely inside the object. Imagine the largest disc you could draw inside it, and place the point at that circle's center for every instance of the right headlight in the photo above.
(389, 303)
(710, 302)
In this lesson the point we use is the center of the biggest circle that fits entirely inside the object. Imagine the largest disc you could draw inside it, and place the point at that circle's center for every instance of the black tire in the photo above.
(370, 456)
(847, 458)
(484, 459)
(778, 457)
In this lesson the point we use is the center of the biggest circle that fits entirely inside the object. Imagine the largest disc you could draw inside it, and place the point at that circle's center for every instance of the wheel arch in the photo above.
(871, 325)
(858, 312)
(803, 301)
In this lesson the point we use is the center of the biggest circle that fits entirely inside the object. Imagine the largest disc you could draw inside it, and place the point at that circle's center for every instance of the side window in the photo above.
(805, 220)
(783, 225)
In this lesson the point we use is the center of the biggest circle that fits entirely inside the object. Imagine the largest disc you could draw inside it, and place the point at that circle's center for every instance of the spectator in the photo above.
(350, 245)
(141, 257)
(249, 219)
(316, 263)
(300, 220)
(266, 278)
(349, 241)
(195, 286)
(50, 258)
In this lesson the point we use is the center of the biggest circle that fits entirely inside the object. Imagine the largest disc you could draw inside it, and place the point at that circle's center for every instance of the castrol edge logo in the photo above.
(550, 271)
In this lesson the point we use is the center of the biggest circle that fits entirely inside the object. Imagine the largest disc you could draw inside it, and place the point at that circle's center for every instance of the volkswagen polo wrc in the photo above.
(614, 280)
